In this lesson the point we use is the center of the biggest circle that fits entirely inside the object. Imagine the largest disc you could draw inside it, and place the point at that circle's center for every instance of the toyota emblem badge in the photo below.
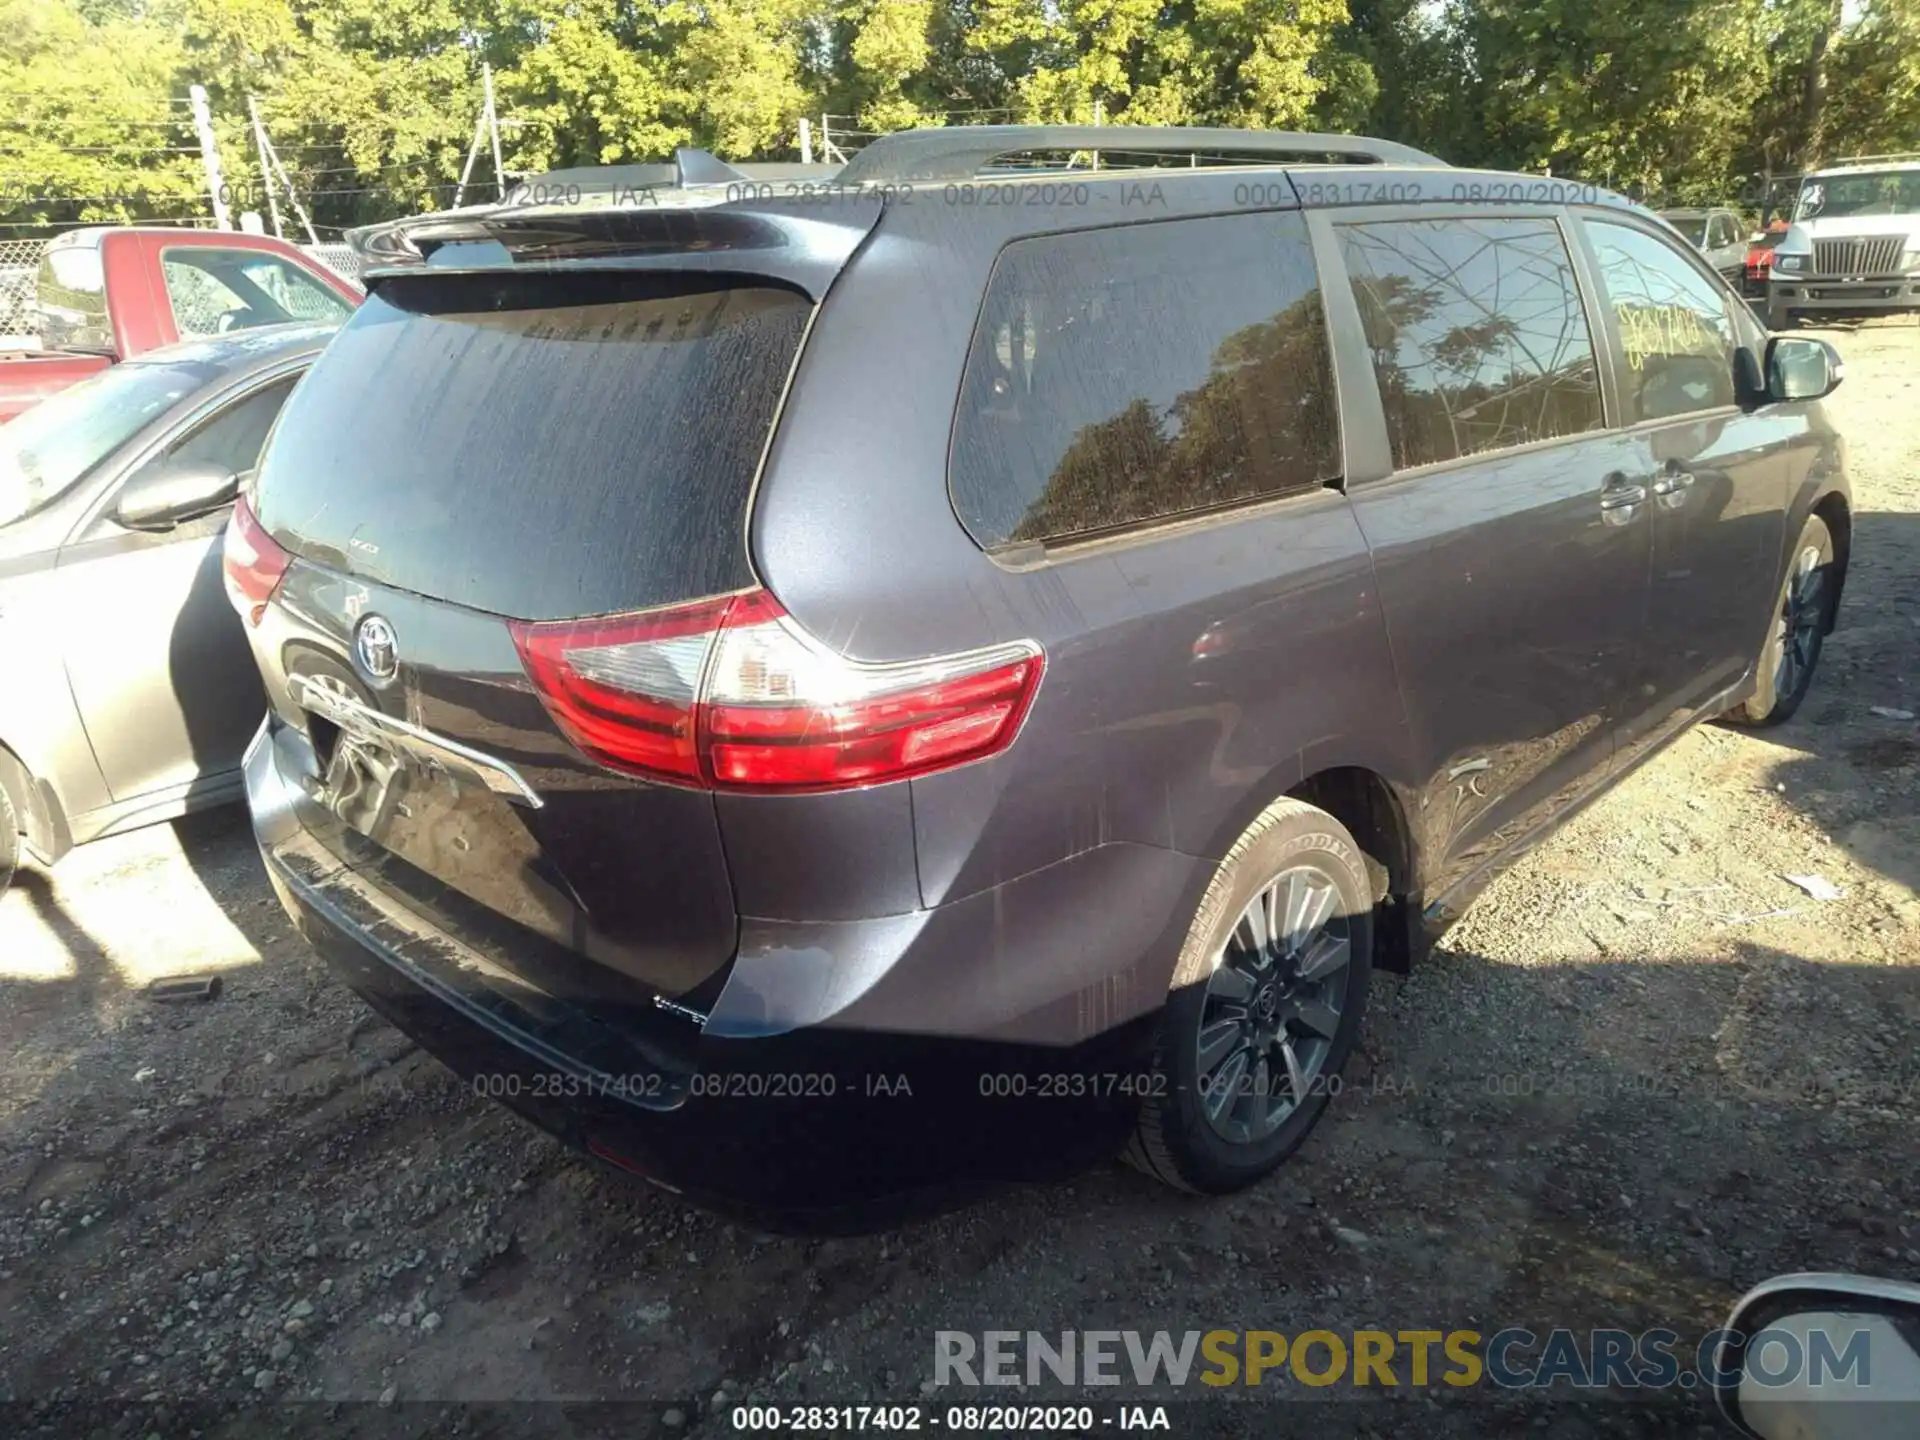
(377, 648)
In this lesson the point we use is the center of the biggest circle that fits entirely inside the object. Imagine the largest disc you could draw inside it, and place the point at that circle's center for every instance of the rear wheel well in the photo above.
(1832, 508)
(1362, 801)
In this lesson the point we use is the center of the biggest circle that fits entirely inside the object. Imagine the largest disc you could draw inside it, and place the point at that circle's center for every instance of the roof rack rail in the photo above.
(1902, 157)
(960, 152)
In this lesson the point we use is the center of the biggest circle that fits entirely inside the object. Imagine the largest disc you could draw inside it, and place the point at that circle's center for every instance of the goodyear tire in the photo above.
(1267, 1002)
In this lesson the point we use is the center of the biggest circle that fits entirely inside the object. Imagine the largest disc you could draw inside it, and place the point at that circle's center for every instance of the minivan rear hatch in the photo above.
(533, 421)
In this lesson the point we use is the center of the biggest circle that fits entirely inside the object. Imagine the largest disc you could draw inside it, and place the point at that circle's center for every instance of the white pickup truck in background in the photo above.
(1854, 246)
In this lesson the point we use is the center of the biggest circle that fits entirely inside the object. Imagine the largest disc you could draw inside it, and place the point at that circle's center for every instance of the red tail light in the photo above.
(253, 563)
(732, 693)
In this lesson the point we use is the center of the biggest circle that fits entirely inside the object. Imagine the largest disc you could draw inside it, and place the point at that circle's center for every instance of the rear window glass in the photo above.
(1693, 227)
(1122, 376)
(462, 440)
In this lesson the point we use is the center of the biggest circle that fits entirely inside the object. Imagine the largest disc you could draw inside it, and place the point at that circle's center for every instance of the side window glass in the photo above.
(215, 291)
(1122, 376)
(298, 294)
(1478, 337)
(233, 438)
(202, 303)
(1675, 332)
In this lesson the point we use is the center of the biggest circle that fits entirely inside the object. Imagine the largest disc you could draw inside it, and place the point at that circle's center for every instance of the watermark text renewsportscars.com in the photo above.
(1513, 1358)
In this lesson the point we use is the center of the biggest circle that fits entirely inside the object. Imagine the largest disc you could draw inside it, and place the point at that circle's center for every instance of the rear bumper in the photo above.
(1900, 292)
(827, 1126)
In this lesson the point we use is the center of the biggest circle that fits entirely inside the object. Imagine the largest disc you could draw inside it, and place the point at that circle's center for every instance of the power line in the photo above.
(400, 167)
(144, 196)
(109, 150)
(196, 221)
(103, 121)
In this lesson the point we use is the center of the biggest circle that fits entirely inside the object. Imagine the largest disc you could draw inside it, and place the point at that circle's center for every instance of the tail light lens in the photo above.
(253, 563)
(732, 693)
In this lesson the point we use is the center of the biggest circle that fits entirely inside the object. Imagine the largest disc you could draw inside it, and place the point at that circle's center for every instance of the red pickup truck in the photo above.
(110, 293)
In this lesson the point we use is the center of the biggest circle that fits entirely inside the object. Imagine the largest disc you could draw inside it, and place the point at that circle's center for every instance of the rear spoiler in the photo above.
(697, 214)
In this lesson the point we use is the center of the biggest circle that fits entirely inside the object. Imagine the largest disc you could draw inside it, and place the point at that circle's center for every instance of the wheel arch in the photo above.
(36, 805)
(1374, 812)
(1351, 785)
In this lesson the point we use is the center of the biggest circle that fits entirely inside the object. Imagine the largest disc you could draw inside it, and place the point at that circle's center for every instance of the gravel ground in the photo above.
(1645, 1073)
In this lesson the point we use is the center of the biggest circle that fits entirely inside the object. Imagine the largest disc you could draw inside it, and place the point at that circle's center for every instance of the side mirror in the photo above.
(161, 496)
(1822, 1357)
(1802, 369)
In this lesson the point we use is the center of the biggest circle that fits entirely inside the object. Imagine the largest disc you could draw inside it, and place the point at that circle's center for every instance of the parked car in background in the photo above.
(1716, 232)
(1759, 265)
(1269, 565)
(1853, 249)
(129, 692)
(111, 293)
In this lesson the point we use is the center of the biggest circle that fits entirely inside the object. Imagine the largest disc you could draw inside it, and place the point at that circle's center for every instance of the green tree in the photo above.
(1225, 62)
(95, 129)
(1872, 104)
(1653, 95)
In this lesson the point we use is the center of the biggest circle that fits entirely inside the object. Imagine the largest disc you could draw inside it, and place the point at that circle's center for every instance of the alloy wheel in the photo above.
(1797, 630)
(1273, 1005)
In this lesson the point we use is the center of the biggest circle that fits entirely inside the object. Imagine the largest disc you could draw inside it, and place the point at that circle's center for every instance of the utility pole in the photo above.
(493, 130)
(806, 141)
(473, 153)
(270, 166)
(829, 151)
(485, 125)
(209, 155)
(293, 197)
(266, 171)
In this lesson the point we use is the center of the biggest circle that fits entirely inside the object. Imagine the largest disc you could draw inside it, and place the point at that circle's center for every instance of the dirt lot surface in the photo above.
(1646, 1072)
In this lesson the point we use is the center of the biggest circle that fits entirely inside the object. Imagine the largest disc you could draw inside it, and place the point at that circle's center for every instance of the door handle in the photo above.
(1621, 498)
(1672, 484)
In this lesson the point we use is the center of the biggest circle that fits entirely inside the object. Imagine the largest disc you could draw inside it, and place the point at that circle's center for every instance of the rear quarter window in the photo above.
(1123, 376)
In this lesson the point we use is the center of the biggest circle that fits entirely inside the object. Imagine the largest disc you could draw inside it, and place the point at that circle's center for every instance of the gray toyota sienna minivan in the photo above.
(816, 692)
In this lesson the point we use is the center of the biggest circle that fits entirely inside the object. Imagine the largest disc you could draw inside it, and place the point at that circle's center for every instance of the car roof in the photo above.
(603, 199)
(241, 350)
(1864, 166)
(1692, 212)
(90, 236)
